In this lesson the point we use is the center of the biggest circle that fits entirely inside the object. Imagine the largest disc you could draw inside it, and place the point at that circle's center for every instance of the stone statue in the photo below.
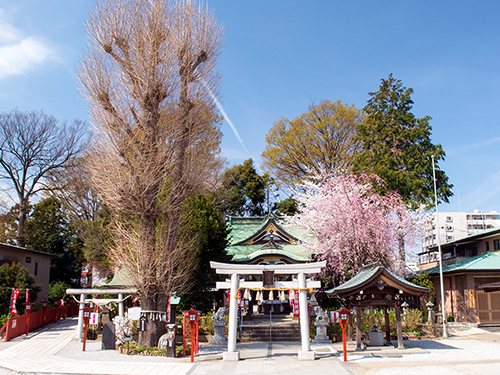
(219, 323)
(219, 315)
(321, 324)
(321, 315)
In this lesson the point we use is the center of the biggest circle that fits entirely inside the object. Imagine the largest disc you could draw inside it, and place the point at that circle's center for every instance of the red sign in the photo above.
(13, 300)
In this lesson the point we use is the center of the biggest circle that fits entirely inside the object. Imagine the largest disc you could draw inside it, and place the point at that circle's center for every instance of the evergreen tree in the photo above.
(288, 206)
(397, 146)
(208, 227)
(49, 230)
(244, 191)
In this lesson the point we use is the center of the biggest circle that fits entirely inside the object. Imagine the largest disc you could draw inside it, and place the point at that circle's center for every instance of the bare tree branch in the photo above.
(156, 136)
(33, 144)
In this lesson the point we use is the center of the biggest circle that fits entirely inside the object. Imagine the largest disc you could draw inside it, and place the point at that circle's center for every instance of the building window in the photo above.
(449, 219)
(36, 269)
(449, 228)
(487, 246)
(28, 259)
(449, 238)
(496, 245)
(471, 252)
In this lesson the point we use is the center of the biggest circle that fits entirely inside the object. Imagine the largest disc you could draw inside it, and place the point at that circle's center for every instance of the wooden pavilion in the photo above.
(376, 286)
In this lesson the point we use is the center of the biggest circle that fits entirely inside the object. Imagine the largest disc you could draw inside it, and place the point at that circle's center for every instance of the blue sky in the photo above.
(279, 56)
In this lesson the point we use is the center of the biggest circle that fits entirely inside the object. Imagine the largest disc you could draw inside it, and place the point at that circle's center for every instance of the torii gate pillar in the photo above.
(305, 354)
(232, 354)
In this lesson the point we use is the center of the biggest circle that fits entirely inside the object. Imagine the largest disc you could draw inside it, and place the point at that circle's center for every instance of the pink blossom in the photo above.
(348, 223)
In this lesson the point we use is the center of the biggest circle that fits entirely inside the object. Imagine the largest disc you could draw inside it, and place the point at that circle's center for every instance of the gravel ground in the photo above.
(441, 351)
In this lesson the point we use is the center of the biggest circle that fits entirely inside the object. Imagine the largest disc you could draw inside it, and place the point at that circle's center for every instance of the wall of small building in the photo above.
(36, 263)
(463, 298)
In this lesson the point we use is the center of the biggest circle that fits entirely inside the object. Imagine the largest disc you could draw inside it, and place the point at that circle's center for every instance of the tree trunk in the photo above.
(23, 212)
(152, 295)
(402, 252)
(154, 328)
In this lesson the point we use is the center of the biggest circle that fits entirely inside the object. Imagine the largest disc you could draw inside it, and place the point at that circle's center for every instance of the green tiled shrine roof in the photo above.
(489, 261)
(244, 228)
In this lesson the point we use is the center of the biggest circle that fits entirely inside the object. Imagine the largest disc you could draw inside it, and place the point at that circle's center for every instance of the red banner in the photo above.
(27, 295)
(13, 300)
(295, 307)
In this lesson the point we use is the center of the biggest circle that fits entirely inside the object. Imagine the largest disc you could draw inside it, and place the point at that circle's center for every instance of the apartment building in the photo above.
(457, 225)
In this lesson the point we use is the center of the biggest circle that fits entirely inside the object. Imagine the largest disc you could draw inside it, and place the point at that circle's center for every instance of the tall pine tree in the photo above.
(397, 146)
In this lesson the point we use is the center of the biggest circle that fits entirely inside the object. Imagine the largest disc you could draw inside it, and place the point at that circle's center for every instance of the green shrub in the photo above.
(375, 318)
(424, 279)
(16, 276)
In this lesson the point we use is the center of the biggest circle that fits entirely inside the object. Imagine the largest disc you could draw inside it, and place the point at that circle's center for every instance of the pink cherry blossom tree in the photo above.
(348, 223)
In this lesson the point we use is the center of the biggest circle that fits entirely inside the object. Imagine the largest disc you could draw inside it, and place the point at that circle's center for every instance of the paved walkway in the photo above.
(55, 351)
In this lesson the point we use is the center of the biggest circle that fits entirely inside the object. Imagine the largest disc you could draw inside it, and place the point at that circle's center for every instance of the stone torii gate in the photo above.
(237, 270)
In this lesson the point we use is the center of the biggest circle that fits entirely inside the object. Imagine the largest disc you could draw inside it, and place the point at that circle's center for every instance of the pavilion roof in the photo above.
(375, 276)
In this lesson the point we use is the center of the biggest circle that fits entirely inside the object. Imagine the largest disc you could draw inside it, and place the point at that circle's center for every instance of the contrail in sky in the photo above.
(228, 120)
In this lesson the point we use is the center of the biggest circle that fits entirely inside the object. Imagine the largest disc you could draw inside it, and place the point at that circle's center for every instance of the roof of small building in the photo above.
(369, 275)
(121, 278)
(488, 261)
(18, 248)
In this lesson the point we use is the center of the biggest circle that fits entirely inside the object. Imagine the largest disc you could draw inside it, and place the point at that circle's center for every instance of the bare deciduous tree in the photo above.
(71, 186)
(32, 144)
(146, 78)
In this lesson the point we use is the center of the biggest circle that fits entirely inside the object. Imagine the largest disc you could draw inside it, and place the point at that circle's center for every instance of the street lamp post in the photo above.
(445, 333)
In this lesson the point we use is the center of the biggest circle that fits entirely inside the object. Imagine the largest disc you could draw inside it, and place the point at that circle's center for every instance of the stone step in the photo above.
(280, 331)
(431, 331)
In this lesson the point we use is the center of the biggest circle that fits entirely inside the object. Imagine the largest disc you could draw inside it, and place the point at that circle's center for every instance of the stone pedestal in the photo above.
(375, 338)
(231, 356)
(218, 339)
(321, 335)
(306, 356)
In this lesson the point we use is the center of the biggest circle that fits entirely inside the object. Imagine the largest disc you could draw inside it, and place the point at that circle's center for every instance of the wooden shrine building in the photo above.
(262, 240)
(376, 286)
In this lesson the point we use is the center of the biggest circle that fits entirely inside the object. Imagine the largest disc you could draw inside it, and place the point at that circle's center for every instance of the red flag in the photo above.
(27, 295)
(13, 300)
(239, 297)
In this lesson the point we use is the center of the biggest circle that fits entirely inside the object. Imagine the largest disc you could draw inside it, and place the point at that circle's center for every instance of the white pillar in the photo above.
(121, 305)
(232, 354)
(79, 328)
(305, 353)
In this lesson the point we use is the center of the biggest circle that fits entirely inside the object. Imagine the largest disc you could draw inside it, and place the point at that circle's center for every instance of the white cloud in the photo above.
(484, 190)
(463, 149)
(18, 53)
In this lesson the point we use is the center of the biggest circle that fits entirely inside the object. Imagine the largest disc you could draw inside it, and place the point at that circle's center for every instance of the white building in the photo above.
(457, 225)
